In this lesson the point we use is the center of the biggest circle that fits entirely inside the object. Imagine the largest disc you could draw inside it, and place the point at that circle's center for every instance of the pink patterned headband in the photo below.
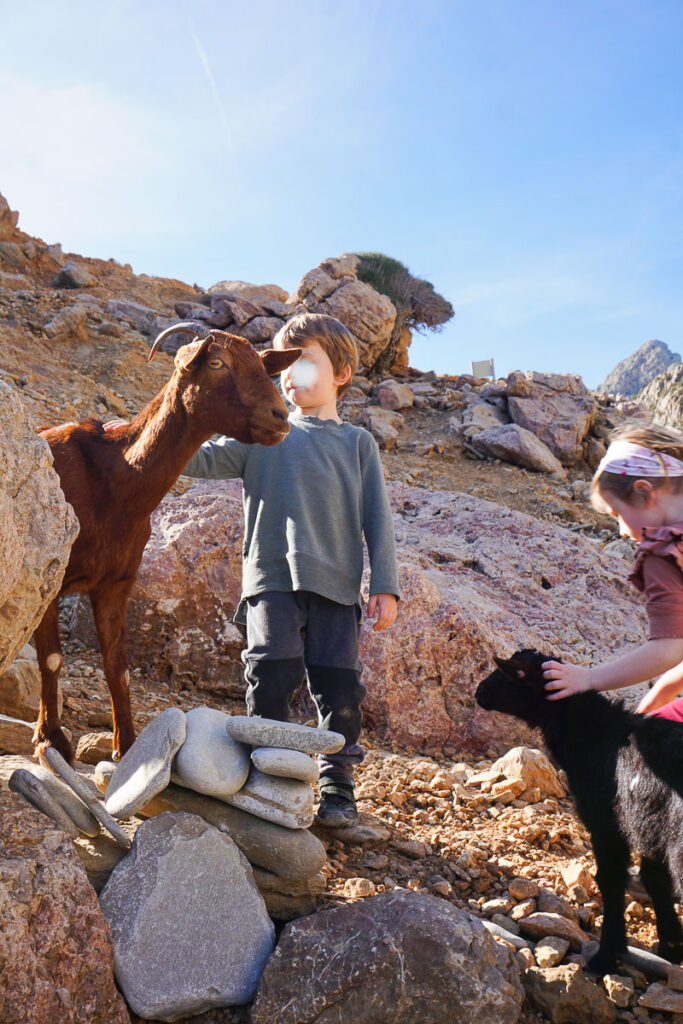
(629, 459)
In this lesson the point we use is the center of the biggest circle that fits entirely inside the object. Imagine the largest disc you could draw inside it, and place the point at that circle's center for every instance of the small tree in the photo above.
(418, 305)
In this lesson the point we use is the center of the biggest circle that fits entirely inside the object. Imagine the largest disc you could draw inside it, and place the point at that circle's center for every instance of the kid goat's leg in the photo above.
(109, 603)
(612, 856)
(657, 881)
(48, 731)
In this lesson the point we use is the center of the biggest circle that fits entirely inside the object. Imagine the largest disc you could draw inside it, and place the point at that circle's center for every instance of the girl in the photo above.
(640, 483)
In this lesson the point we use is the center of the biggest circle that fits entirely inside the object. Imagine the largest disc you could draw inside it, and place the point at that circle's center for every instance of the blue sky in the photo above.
(522, 155)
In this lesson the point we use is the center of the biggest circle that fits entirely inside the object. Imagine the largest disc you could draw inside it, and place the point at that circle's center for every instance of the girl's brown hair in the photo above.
(333, 337)
(652, 436)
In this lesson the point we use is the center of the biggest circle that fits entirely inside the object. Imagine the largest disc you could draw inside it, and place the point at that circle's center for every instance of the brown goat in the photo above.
(116, 478)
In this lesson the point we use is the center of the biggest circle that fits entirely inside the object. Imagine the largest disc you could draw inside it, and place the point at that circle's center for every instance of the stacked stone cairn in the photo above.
(229, 801)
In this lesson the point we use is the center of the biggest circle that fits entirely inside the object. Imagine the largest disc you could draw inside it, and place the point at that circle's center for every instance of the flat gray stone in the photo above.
(287, 764)
(285, 802)
(82, 818)
(33, 790)
(145, 769)
(292, 854)
(266, 732)
(210, 761)
(190, 928)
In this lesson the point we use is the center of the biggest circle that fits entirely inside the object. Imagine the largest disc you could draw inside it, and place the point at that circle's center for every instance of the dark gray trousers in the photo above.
(297, 635)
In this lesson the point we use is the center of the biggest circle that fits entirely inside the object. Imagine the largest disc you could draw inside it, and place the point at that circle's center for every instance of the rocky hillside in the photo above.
(498, 547)
(635, 372)
(663, 397)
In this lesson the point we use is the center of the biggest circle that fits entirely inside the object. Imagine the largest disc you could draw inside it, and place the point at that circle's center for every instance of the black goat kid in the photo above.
(625, 773)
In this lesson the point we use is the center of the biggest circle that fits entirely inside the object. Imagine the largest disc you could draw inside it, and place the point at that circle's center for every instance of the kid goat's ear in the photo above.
(275, 360)
(512, 668)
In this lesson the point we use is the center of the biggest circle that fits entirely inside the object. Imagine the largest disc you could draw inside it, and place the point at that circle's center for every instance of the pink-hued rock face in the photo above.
(56, 951)
(479, 579)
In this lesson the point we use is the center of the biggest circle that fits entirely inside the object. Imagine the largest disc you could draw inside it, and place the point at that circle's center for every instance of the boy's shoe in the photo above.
(337, 808)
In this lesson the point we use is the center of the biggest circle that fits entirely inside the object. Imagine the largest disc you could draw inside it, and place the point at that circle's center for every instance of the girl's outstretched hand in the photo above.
(564, 680)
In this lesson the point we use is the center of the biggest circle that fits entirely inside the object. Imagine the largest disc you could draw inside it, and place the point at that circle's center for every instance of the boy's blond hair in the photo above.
(333, 337)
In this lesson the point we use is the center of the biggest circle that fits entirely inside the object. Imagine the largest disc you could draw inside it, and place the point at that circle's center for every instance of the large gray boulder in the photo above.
(190, 927)
(38, 526)
(635, 372)
(396, 958)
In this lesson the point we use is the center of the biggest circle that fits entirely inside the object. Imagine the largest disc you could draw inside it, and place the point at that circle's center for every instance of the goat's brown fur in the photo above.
(116, 478)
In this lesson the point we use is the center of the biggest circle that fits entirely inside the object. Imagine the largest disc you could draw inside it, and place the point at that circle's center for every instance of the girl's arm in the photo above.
(665, 689)
(645, 662)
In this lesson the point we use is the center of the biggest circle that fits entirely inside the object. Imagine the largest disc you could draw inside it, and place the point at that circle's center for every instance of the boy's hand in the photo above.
(564, 679)
(385, 606)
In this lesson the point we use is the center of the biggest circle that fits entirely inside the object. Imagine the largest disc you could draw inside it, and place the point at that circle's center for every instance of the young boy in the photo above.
(308, 501)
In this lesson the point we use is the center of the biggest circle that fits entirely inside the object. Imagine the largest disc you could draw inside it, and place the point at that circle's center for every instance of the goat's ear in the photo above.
(188, 357)
(275, 360)
(512, 667)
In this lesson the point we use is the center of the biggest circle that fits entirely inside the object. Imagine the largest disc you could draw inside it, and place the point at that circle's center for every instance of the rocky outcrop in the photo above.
(556, 407)
(635, 372)
(38, 526)
(333, 288)
(56, 952)
(8, 220)
(663, 396)
(391, 959)
(478, 579)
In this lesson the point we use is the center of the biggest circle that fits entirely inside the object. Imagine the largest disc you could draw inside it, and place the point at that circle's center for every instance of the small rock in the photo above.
(16, 737)
(576, 873)
(359, 887)
(539, 925)
(266, 732)
(285, 802)
(33, 790)
(94, 747)
(145, 769)
(619, 989)
(565, 995)
(289, 764)
(412, 848)
(522, 888)
(675, 977)
(83, 818)
(210, 761)
(550, 951)
(73, 275)
(523, 909)
(659, 996)
(392, 395)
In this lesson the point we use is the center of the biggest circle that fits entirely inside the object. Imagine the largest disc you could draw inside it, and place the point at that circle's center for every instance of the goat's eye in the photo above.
(215, 364)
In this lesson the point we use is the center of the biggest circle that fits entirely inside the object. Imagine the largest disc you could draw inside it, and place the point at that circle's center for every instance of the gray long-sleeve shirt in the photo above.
(308, 501)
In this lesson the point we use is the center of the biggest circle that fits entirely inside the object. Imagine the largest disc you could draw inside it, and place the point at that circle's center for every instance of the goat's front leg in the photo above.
(657, 881)
(612, 856)
(109, 603)
(48, 732)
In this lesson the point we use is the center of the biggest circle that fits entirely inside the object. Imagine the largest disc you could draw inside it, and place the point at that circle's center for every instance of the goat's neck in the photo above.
(585, 722)
(160, 442)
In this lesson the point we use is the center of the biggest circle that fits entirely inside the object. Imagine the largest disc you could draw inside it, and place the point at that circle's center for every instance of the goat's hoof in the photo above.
(602, 963)
(55, 739)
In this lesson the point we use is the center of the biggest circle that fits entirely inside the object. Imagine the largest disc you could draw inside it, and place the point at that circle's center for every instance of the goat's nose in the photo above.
(279, 414)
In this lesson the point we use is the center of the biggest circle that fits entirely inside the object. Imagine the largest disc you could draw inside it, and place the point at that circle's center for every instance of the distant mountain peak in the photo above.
(632, 374)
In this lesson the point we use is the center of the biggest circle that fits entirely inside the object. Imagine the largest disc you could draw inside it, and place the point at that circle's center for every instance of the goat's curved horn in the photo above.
(184, 327)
